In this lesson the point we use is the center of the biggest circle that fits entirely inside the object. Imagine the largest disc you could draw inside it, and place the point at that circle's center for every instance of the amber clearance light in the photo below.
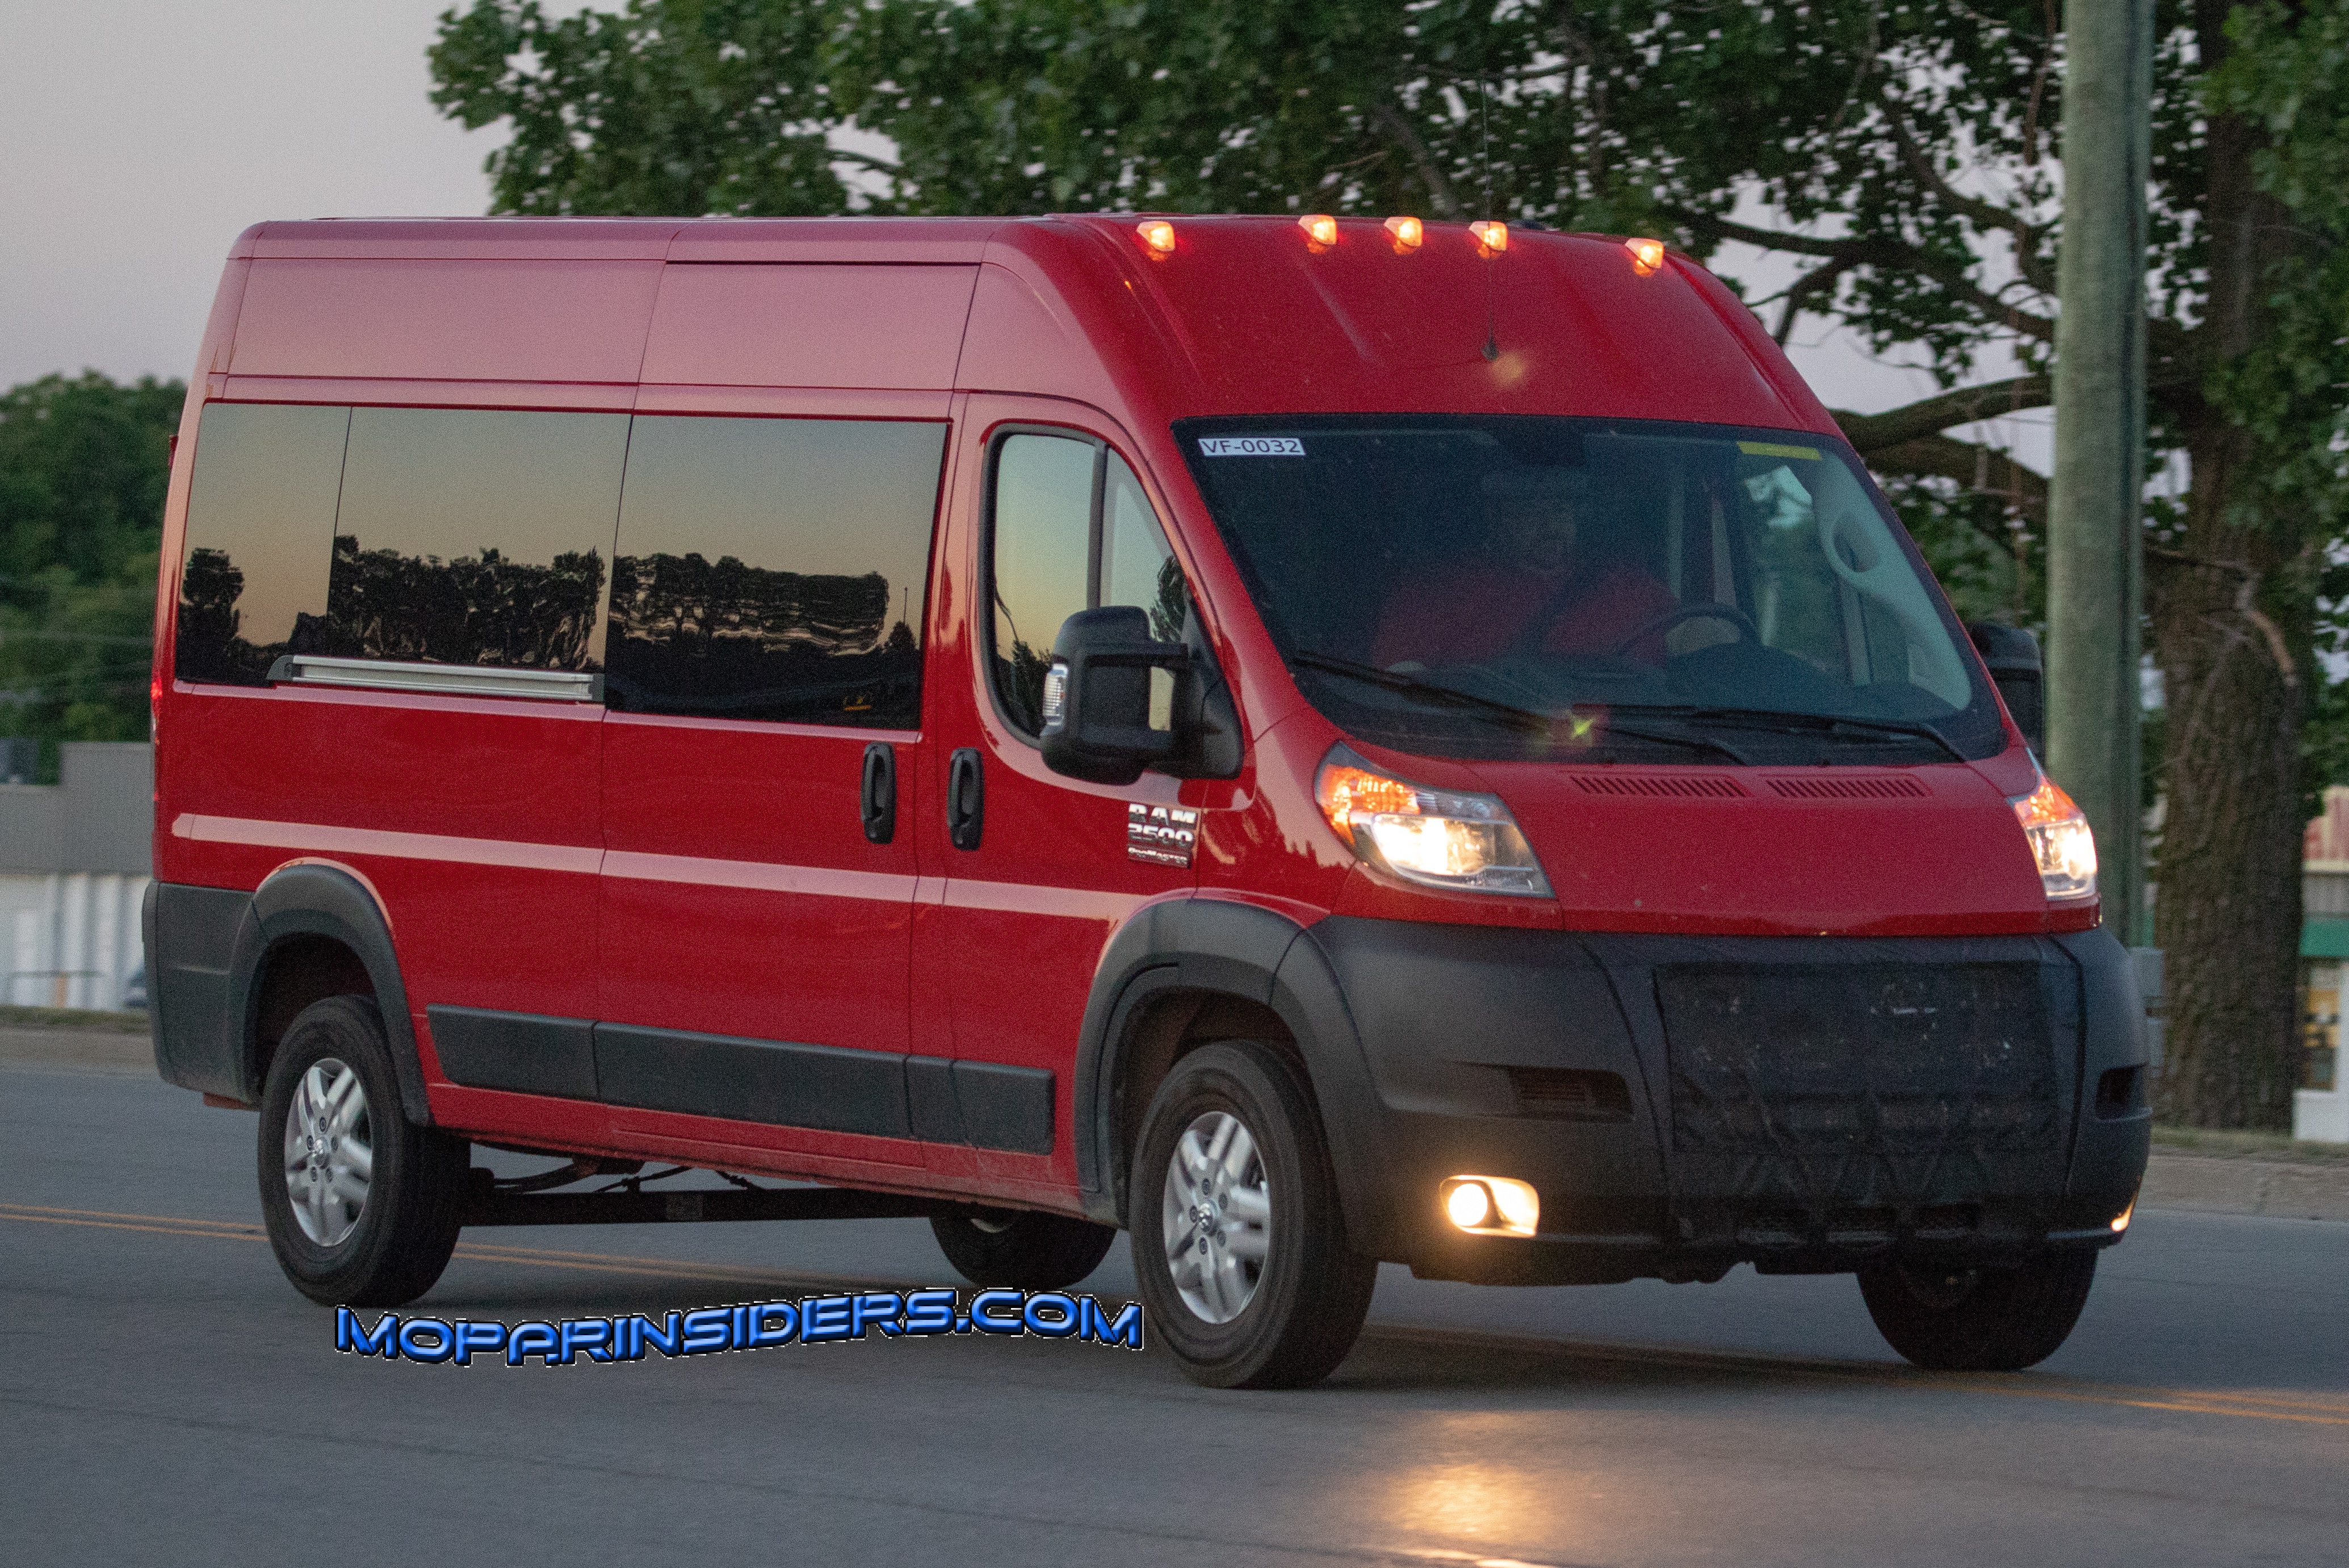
(1321, 228)
(1157, 235)
(1492, 236)
(1647, 255)
(1408, 233)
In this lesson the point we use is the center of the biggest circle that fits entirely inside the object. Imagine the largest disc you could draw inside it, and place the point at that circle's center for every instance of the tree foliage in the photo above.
(83, 465)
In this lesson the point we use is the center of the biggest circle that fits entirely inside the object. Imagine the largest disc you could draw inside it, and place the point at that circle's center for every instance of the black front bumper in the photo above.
(1685, 1103)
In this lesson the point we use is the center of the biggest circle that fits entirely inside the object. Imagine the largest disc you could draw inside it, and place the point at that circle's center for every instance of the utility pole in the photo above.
(2096, 561)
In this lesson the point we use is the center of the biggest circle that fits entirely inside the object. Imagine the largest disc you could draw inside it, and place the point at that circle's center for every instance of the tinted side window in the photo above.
(1042, 535)
(261, 525)
(1073, 530)
(475, 537)
(773, 568)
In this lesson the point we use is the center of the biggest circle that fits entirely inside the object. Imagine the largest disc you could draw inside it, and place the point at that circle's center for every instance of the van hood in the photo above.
(1818, 851)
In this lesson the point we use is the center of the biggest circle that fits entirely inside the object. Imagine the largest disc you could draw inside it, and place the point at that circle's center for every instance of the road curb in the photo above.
(2210, 1184)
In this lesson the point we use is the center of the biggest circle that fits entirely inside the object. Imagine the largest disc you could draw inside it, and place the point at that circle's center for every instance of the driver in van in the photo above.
(1527, 589)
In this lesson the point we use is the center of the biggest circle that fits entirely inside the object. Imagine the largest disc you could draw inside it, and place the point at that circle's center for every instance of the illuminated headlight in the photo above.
(2060, 841)
(1438, 838)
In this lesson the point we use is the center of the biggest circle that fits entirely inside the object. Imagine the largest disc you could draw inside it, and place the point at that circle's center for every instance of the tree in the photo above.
(1897, 158)
(83, 466)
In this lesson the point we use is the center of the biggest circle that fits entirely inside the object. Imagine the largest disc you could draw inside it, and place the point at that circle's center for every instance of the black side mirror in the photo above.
(1097, 696)
(2013, 655)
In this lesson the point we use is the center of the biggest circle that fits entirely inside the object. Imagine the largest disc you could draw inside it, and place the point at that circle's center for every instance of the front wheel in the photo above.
(1239, 1243)
(363, 1206)
(1979, 1320)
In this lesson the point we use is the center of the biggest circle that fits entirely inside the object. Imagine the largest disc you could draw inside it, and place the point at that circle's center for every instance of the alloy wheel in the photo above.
(329, 1152)
(1218, 1217)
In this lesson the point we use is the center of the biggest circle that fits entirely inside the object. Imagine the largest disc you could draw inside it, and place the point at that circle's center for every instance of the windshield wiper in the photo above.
(1827, 723)
(1495, 711)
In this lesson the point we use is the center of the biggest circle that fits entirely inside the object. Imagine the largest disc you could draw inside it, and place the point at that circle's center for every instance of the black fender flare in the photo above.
(1216, 947)
(312, 899)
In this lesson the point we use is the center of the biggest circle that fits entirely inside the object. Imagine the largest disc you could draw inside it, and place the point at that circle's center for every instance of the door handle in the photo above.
(876, 796)
(966, 799)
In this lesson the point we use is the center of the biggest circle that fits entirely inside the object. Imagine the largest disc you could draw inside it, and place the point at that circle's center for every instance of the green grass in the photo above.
(2234, 1145)
(72, 1018)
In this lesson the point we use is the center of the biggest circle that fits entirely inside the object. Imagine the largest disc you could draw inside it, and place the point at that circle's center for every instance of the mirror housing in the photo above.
(1097, 697)
(2011, 655)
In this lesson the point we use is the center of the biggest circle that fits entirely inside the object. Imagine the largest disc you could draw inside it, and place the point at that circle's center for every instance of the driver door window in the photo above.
(1071, 529)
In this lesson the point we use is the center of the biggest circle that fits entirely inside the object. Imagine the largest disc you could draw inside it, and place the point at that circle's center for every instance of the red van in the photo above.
(1311, 742)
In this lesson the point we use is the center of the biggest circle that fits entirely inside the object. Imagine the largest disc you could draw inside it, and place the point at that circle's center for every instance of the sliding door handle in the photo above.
(876, 796)
(966, 799)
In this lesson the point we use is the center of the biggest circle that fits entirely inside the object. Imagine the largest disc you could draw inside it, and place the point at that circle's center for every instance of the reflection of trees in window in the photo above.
(1172, 605)
(689, 635)
(475, 609)
(212, 646)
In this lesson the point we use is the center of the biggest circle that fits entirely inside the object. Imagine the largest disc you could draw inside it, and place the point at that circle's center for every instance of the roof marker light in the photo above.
(1492, 234)
(1319, 227)
(1408, 233)
(1647, 255)
(1157, 234)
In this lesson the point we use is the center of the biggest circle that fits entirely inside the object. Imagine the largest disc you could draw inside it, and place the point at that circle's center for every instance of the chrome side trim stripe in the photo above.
(443, 680)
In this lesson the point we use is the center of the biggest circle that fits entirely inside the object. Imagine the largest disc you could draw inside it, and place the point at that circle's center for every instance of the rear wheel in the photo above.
(1237, 1239)
(363, 1206)
(1979, 1320)
(1020, 1248)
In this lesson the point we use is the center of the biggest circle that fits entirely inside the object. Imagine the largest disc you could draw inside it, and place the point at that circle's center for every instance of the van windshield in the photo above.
(1532, 587)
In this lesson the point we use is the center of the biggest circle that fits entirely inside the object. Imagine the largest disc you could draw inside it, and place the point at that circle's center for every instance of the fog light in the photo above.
(2120, 1221)
(1491, 1205)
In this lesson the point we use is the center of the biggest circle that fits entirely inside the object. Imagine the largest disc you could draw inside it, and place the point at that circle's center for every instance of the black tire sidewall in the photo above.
(1033, 1252)
(1285, 1333)
(407, 1216)
(2010, 1318)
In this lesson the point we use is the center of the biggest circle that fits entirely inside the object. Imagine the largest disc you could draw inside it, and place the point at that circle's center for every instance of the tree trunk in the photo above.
(2228, 912)
(2231, 623)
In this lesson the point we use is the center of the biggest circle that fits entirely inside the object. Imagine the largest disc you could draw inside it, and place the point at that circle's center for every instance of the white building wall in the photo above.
(71, 940)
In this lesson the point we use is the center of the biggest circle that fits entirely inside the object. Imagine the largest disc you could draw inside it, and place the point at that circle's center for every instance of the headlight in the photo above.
(2060, 841)
(1440, 838)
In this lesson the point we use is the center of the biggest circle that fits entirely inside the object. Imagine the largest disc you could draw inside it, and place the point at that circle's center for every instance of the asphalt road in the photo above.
(169, 1398)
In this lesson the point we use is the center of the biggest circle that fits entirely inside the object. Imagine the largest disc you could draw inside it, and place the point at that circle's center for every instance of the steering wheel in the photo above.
(1679, 613)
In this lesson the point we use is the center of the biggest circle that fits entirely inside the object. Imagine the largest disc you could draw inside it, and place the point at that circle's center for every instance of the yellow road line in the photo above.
(2299, 1410)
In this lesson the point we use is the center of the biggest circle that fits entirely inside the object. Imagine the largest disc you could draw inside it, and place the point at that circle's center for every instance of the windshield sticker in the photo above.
(1251, 446)
(1789, 503)
(1772, 449)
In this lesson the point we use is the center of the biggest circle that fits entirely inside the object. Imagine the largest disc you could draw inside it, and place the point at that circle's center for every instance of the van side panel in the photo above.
(809, 325)
(537, 320)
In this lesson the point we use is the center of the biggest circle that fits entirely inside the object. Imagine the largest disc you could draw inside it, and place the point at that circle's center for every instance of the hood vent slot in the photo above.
(1845, 786)
(1661, 786)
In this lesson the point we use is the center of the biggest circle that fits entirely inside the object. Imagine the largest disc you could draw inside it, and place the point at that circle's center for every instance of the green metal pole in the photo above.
(2095, 589)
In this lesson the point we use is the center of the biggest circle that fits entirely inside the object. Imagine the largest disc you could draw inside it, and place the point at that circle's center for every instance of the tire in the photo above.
(1267, 1293)
(1020, 1248)
(1979, 1320)
(382, 1228)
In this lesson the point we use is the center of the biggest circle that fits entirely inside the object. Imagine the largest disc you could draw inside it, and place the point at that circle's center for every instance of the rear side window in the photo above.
(1071, 529)
(773, 568)
(475, 537)
(260, 521)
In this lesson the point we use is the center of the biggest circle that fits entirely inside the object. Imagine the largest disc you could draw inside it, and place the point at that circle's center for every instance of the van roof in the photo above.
(1244, 316)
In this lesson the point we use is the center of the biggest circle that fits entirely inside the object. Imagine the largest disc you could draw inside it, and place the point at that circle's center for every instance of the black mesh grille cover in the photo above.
(1803, 1096)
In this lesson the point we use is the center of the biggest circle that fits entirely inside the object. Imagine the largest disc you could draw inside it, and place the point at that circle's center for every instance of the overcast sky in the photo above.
(138, 137)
